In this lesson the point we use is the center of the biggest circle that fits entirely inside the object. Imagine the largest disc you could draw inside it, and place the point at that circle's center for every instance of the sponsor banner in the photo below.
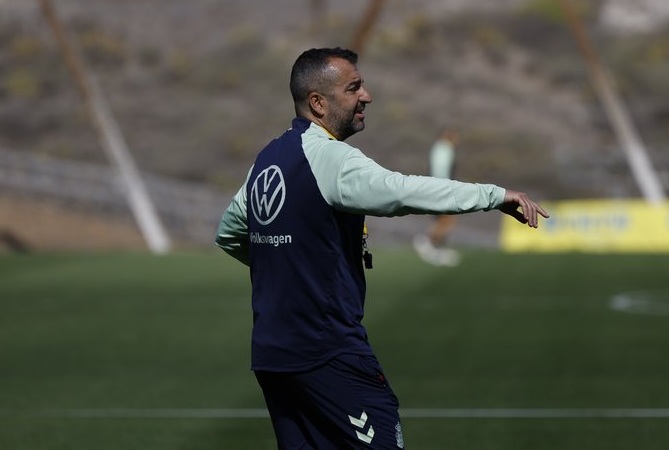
(593, 226)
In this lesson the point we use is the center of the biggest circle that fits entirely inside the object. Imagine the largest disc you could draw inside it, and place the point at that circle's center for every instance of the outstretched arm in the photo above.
(529, 210)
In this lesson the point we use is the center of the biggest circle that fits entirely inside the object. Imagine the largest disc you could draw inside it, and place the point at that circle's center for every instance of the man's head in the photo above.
(328, 90)
(450, 135)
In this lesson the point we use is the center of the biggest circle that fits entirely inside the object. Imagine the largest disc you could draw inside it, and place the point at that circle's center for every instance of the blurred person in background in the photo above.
(433, 247)
(298, 222)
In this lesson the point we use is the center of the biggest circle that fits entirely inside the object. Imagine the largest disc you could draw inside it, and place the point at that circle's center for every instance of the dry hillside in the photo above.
(198, 87)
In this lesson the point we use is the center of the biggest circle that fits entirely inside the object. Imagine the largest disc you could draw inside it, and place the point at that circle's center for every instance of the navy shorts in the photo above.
(345, 404)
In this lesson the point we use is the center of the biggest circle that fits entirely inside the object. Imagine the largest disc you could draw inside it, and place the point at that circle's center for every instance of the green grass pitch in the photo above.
(505, 352)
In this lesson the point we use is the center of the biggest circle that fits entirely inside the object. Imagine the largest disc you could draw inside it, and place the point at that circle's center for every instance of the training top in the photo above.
(298, 221)
(442, 156)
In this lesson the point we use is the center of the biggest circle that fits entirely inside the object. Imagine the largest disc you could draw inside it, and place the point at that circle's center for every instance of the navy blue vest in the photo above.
(306, 263)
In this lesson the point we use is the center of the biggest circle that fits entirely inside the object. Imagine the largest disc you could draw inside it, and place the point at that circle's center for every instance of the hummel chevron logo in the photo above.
(360, 423)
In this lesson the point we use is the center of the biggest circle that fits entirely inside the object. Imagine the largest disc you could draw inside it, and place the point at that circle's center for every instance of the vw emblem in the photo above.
(268, 194)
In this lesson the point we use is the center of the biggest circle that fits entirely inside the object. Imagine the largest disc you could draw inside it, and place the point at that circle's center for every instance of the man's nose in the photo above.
(366, 97)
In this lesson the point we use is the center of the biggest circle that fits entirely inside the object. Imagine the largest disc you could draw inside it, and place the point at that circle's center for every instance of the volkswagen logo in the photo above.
(268, 194)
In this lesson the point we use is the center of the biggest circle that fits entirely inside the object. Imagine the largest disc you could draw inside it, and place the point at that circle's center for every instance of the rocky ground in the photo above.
(30, 225)
(198, 87)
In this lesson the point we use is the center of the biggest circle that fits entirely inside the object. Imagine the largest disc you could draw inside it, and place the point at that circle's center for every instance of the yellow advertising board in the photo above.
(593, 226)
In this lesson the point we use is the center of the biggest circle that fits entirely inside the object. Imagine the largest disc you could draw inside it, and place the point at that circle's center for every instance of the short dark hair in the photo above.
(310, 67)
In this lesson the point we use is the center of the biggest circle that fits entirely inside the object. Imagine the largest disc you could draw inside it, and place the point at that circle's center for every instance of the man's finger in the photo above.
(519, 216)
(514, 212)
(543, 212)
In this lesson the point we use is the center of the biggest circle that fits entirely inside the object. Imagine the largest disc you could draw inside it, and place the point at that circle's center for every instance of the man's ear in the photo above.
(317, 103)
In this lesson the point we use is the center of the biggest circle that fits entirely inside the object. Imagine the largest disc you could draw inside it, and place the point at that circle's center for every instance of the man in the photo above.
(298, 222)
(433, 246)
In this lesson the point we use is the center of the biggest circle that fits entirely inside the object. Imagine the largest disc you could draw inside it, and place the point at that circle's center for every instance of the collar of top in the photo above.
(301, 124)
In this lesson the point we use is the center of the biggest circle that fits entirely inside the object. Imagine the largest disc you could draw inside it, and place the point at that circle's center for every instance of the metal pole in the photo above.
(366, 24)
(112, 138)
(317, 8)
(628, 137)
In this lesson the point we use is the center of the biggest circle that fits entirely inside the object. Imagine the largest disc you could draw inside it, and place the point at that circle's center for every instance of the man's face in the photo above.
(346, 101)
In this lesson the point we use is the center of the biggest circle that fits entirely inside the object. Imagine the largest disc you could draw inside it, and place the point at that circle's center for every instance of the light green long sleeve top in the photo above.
(350, 181)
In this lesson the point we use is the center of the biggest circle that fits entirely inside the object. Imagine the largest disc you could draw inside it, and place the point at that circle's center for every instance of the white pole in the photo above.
(637, 156)
(112, 139)
(136, 193)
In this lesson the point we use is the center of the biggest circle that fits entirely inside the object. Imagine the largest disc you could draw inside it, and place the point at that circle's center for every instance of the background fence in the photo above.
(190, 211)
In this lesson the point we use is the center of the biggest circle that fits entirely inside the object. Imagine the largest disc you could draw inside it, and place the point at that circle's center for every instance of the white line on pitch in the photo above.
(537, 413)
(410, 413)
